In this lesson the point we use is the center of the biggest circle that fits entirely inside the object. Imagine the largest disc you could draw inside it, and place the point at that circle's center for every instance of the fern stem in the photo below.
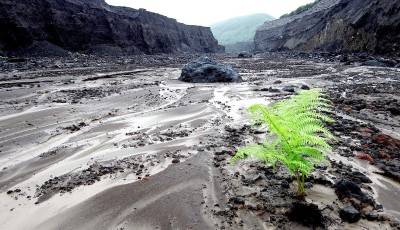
(300, 183)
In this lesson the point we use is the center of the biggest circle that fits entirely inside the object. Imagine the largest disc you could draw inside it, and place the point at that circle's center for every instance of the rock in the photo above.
(363, 178)
(390, 168)
(245, 54)
(94, 27)
(289, 89)
(307, 214)
(305, 87)
(237, 200)
(348, 189)
(387, 140)
(334, 26)
(394, 110)
(204, 70)
(175, 160)
(277, 82)
(364, 156)
(349, 214)
(375, 63)
(272, 90)
(285, 184)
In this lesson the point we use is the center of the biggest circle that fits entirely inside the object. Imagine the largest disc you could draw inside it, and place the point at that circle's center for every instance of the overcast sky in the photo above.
(207, 12)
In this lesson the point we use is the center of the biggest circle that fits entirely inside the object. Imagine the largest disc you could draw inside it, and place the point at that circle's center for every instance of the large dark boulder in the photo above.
(205, 70)
(336, 25)
(93, 26)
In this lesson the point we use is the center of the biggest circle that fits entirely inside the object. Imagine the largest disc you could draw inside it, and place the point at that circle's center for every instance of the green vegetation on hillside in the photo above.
(300, 9)
(240, 29)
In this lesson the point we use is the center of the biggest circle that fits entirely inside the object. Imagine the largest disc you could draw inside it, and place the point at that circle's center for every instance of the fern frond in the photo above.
(296, 131)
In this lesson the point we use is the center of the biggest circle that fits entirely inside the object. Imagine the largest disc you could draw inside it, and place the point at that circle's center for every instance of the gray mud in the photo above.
(97, 143)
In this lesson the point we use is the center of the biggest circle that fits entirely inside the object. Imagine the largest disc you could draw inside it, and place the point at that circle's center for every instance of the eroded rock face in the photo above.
(336, 25)
(204, 70)
(95, 27)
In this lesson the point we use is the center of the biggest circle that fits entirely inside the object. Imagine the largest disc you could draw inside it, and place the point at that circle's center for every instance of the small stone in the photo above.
(272, 90)
(175, 160)
(285, 184)
(364, 156)
(289, 89)
(305, 87)
(237, 200)
(245, 54)
(349, 214)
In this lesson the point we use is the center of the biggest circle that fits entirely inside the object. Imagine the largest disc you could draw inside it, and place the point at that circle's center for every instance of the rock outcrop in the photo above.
(336, 25)
(93, 26)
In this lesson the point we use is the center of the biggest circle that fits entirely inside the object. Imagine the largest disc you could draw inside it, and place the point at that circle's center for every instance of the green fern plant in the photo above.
(296, 133)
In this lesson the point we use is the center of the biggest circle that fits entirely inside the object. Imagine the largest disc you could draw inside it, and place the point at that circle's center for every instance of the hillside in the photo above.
(48, 27)
(336, 25)
(239, 29)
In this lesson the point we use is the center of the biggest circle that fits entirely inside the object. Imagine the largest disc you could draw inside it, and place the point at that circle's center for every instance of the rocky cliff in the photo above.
(93, 26)
(336, 25)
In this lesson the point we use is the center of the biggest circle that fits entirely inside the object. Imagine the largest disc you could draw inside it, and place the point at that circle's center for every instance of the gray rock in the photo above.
(204, 70)
(350, 214)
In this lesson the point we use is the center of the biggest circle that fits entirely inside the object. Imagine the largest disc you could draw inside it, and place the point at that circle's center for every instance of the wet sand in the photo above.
(112, 146)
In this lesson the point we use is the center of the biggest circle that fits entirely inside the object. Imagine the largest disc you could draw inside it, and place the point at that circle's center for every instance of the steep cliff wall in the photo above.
(336, 25)
(94, 26)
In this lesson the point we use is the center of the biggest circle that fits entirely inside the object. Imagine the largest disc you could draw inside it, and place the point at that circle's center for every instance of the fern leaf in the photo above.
(296, 131)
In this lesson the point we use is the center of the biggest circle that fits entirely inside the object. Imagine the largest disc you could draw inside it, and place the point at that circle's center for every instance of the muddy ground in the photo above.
(120, 143)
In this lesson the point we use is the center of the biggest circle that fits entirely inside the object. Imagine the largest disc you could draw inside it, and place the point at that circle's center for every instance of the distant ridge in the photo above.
(239, 29)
